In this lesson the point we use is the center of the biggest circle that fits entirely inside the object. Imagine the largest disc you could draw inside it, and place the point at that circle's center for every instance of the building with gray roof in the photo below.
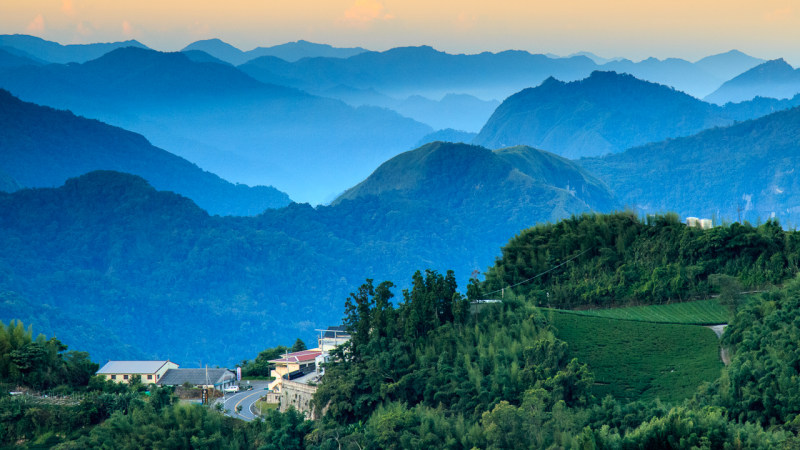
(204, 378)
(123, 371)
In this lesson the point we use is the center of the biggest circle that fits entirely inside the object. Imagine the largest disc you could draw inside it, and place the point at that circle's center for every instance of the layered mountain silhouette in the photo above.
(53, 52)
(223, 120)
(743, 172)
(774, 79)
(697, 79)
(110, 248)
(405, 71)
(43, 147)
(290, 51)
(11, 58)
(727, 65)
(604, 113)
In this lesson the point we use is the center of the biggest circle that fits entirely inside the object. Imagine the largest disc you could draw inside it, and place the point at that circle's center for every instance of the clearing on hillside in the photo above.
(703, 312)
(633, 360)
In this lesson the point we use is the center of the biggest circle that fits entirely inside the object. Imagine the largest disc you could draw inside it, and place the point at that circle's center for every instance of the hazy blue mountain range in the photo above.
(747, 170)
(447, 135)
(608, 113)
(457, 111)
(697, 79)
(290, 51)
(11, 58)
(43, 147)
(225, 121)
(54, 52)
(604, 113)
(727, 65)
(401, 72)
(109, 248)
(405, 71)
(774, 79)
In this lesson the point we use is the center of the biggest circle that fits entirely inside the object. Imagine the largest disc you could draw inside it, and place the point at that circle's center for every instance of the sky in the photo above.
(635, 29)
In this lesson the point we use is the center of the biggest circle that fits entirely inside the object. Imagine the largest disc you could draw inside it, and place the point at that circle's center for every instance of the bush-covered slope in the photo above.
(605, 260)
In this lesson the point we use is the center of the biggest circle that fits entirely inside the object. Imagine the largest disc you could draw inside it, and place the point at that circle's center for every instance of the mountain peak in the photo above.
(774, 79)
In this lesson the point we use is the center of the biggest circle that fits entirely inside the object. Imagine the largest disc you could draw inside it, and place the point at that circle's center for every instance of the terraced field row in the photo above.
(704, 312)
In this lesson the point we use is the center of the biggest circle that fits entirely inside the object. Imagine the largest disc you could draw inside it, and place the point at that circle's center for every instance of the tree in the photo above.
(299, 346)
(730, 291)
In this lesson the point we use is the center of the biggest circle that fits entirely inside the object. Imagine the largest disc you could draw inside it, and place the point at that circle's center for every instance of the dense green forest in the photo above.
(424, 375)
(429, 367)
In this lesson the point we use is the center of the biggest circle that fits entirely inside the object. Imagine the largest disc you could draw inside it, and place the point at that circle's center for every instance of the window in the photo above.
(124, 377)
(113, 377)
(149, 377)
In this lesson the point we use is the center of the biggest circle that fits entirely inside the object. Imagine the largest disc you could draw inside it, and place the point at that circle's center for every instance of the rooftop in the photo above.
(296, 357)
(132, 367)
(197, 377)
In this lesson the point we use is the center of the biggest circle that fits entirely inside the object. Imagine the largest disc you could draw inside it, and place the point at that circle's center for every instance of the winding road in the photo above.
(245, 399)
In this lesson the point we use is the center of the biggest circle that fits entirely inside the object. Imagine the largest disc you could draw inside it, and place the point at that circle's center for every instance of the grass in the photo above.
(634, 360)
(704, 312)
(263, 406)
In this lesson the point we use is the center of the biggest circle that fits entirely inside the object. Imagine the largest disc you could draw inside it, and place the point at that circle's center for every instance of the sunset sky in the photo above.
(631, 28)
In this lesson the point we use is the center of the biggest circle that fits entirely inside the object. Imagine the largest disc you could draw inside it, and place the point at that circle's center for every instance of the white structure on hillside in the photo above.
(704, 224)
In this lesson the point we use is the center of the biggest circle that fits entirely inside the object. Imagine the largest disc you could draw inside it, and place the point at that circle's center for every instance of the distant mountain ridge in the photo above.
(608, 113)
(290, 51)
(742, 172)
(485, 75)
(773, 79)
(54, 52)
(223, 120)
(11, 58)
(604, 113)
(43, 147)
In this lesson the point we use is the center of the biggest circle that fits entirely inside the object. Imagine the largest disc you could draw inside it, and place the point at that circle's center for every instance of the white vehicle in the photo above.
(231, 389)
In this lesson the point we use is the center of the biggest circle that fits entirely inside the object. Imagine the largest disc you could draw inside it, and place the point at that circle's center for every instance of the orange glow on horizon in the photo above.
(634, 29)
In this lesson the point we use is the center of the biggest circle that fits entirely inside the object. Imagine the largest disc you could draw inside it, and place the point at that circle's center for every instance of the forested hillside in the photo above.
(109, 249)
(742, 172)
(610, 260)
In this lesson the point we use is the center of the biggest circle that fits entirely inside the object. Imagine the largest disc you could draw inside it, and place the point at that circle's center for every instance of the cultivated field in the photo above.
(640, 360)
(704, 312)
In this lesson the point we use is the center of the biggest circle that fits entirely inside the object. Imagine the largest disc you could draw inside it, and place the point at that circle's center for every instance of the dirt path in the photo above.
(723, 352)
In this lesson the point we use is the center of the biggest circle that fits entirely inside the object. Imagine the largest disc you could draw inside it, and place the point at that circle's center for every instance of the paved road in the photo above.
(245, 399)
